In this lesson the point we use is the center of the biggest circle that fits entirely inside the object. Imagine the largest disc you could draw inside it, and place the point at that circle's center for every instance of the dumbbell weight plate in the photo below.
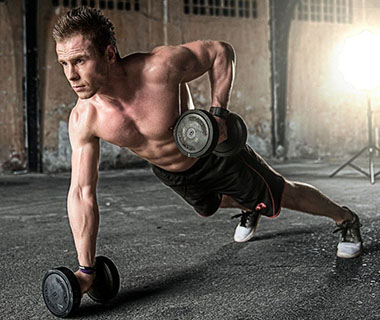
(237, 136)
(61, 292)
(196, 133)
(107, 281)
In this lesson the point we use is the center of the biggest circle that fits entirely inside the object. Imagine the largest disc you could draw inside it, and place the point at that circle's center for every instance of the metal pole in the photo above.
(370, 142)
(32, 117)
(165, 21)
(371, 148)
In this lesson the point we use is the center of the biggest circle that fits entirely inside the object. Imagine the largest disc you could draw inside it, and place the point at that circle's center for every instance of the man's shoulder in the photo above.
(168, 51)
(163, 62)
(82, 109)
(158, 55)
(169, 58)
(82, 119)
(138, 62)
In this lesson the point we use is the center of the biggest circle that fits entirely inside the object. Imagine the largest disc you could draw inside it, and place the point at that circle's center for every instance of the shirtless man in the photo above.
(134, 102)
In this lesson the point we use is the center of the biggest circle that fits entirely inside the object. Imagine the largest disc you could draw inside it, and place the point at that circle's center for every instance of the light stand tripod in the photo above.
(371, 148)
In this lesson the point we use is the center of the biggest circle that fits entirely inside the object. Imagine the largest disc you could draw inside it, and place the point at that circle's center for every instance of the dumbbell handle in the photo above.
(219, 112)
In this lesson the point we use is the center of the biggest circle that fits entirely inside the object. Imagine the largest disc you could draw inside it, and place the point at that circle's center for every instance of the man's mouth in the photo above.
(78, 88)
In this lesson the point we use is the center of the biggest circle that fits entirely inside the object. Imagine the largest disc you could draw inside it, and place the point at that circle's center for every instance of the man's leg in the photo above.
(228, 202)
(306, 198)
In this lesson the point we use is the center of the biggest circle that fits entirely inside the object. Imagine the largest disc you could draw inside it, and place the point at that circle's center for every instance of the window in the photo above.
(224, 8)
(338, 11)
(315, 10)
(243, 8)
(344, 11)
(303, 10)
(127, 5)
(328, 10)
(254, 8)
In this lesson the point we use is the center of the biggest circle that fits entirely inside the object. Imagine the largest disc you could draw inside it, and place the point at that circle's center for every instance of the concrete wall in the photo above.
(12, 145)
(326, 116)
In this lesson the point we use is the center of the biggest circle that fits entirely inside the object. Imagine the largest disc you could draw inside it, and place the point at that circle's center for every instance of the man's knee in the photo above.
(291, 194)
(228, 202)
(296, 193)
(205, 214)
(206, 208)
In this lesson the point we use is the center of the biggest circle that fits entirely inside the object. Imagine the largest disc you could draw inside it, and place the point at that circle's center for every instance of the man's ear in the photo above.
(111, 53)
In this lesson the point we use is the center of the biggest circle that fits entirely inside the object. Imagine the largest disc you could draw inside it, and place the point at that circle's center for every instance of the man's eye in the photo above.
(78, 61)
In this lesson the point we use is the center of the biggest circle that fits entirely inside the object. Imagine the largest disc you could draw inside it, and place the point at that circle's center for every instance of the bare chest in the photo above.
(137, 124)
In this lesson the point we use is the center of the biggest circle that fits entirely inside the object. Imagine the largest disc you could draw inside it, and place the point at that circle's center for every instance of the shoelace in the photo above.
(345, 225)
(244, 215)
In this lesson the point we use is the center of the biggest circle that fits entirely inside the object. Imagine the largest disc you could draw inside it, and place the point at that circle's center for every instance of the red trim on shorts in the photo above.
(282, 197)
(275, 214)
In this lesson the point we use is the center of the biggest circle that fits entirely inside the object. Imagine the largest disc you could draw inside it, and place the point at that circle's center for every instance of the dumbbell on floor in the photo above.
(196, 133)
(61, 290)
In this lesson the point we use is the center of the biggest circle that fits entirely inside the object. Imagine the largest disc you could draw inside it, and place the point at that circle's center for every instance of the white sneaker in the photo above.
(246, 229)
(349, 250)
(350, 241)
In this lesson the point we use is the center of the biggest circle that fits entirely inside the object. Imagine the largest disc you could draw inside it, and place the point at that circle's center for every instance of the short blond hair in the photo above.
(90, 23)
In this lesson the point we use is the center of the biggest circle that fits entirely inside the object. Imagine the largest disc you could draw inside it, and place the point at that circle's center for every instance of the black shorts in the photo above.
(245, 177)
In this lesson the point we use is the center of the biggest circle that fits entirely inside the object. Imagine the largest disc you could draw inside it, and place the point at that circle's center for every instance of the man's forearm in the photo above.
(222, 75)
(84, 222)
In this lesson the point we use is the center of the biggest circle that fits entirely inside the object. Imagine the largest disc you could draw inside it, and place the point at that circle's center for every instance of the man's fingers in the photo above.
(223, 135)
(85, 281)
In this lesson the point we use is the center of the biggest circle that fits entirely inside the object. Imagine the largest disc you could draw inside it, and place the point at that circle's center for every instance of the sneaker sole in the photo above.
(347, 256)
(247, 238)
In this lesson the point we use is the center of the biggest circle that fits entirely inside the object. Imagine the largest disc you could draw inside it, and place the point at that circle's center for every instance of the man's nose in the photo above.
(73, 74)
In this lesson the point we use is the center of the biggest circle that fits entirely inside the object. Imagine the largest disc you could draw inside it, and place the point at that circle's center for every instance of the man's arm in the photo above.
(218, 59)
(189, 61)
(81, 201)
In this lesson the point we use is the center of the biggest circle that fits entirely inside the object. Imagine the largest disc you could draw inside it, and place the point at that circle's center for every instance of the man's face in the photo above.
(84, 68)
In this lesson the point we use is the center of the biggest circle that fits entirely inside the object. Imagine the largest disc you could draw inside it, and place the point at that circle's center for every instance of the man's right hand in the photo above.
(85, 280)
(223, 135)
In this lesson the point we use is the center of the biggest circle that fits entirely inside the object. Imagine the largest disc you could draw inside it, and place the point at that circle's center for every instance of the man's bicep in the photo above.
(203, 56)
(193, 59)
(84, 164)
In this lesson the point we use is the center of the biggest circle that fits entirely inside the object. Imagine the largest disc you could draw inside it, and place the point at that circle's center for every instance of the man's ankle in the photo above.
(347, 216)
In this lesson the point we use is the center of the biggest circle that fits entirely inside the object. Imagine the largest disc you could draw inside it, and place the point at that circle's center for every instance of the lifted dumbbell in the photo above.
(237, 136)
(196, 133)
(61, 289)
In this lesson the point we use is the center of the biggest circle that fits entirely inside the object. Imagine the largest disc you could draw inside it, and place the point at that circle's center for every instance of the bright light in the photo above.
(360, 61)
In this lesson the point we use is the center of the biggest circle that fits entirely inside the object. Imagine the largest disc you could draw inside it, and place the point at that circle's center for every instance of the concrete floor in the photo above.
(176, 265)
